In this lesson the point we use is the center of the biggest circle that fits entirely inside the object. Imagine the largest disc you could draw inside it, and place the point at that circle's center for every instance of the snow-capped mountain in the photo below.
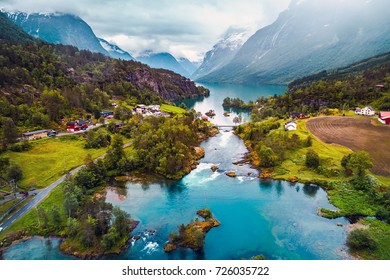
(162, 60)
(189, 66)
(58, 28)
(310, 36)
(224, 51)
(115, 51)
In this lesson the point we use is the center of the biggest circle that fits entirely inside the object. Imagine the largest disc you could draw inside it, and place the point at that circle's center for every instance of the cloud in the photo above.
(184, 27)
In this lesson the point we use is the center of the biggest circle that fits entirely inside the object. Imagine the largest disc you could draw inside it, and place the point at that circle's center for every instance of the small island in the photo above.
(192, 236)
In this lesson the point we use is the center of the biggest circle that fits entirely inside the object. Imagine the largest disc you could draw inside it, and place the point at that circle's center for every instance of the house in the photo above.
(154, 108)
(140, 109)
(299, 115)
(82, 124)
(106, 113)
(384, 117)
(72, 126)
(381, 87)
(367, 111)
(358, 111)
(35, 134)
(290, 126)
(119, 126)
(205, 118)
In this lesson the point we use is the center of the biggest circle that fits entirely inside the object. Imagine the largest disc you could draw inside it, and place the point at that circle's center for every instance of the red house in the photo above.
(384, 117)
(72, 126)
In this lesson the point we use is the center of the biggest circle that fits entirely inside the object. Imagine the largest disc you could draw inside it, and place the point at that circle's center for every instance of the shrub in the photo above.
(21, 147)
(312, 159)
(15, 173)
(267, 157)
(366, 183)
(360, 239)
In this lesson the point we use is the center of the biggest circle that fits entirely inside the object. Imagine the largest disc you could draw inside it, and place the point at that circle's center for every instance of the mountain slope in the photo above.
(59, 28)
(222, 52)
(187, 65)
(307, 38)
(11, 32)
(114, 51)
(163, 61)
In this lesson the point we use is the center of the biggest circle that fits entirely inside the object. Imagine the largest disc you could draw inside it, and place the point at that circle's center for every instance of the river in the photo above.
(218, 92)
(275, 218)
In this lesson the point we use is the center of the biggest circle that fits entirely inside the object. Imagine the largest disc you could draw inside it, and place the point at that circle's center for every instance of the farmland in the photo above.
(356, 133)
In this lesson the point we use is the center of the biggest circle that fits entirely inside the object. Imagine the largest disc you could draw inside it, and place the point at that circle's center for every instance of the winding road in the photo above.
(42, 195)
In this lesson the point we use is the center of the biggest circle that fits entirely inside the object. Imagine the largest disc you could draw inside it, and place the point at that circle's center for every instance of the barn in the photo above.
(384, 117)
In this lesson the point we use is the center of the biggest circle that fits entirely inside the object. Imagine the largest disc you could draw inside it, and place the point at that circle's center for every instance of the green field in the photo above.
(50, 158)
(172, 109)
(330, 156)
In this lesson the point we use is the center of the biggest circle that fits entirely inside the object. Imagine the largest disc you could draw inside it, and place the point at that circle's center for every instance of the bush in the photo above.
(360, 239)
(312, 159)
(267, 157)
(368, 182)
(21, 147)
(15, 173)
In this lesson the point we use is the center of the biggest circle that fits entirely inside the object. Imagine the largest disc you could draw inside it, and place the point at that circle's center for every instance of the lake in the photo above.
(218, 92)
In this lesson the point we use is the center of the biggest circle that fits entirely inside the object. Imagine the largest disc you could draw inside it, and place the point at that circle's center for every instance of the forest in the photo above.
(41, 84)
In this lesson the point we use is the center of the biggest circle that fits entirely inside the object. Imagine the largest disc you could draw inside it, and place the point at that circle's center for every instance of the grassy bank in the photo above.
(30, 224)
(50, 158)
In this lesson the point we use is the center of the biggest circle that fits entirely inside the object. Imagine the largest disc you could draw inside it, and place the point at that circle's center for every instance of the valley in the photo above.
(280, 135)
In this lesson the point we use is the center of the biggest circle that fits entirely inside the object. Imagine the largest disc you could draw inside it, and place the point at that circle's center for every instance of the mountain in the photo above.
(187, 65)
(311, 36)
(163, 61)
(381, 62)
(59, 28)
(11, 32)
(222, 52)
(114, 51)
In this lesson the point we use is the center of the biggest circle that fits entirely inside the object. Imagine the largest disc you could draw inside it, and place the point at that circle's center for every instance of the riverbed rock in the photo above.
(169, 247)
(266, 173)
(293, 179)
(214, 168)
(193, 235)
(231, 174)
(137, 237)
(339, 224)
(199, 152)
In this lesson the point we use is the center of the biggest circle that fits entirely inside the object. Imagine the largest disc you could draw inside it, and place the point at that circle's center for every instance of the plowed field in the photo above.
(356, 134)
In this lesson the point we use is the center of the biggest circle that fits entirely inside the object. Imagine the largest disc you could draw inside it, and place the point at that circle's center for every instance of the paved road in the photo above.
(41, 196)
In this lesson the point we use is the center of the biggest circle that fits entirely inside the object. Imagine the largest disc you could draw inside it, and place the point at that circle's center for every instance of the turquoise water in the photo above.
(274, 218)
(218, 92)
(37, 248)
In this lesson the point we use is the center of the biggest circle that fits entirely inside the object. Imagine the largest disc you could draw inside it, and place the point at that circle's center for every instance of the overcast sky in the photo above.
(186, 28)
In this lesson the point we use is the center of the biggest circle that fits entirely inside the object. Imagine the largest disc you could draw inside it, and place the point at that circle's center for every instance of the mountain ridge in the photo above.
(163, 60)
(58, 28)
(114, 51)
(295, 45)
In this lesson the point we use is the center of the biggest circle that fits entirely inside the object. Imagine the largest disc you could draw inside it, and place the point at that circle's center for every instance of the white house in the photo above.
(290, 126)
(366, 111)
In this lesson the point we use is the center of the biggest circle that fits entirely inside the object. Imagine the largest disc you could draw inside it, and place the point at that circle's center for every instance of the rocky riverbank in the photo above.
(193, 235)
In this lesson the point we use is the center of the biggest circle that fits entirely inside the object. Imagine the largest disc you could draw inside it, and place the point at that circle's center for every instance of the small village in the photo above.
(80, 125)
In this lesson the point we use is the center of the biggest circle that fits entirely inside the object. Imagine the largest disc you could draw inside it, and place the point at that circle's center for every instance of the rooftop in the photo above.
(35, 132)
